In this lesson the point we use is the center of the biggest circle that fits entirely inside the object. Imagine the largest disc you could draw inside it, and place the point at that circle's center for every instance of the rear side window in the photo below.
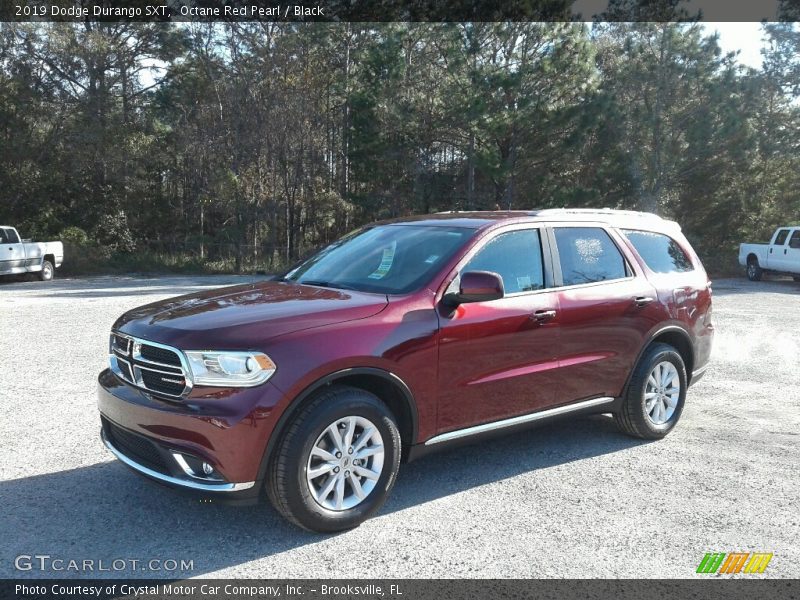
(587, 254)
(794, 242)
(516, 256)
(660, 253)
(780, 240)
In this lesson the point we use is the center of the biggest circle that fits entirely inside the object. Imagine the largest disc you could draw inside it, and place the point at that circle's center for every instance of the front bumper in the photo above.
(168, 441)
(184, 481)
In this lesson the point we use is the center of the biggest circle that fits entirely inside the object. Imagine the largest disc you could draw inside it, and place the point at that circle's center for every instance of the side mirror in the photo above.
(477, 286)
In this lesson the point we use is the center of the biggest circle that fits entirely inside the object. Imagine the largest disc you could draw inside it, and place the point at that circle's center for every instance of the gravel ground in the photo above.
(573, 499)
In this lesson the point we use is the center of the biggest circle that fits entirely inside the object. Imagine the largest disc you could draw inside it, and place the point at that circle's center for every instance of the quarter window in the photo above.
(516, 256)
(660, 253)
(587, 255)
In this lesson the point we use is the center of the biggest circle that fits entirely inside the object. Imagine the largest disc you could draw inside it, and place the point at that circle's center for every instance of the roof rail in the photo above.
(596, 211)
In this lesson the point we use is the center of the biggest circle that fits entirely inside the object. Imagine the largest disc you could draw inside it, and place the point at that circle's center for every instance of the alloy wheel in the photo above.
(345, 463)
(662, 392)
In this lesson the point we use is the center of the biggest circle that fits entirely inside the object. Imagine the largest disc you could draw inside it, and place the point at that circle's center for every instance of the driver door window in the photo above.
(516, 256)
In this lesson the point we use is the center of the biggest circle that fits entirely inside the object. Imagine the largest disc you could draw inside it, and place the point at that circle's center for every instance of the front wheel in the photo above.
(654, 400)
(337, 462)
(47, 272)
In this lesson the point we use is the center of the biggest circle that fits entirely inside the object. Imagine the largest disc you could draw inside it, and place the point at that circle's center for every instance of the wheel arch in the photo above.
(387, 386)
(752, 257)
(675, 336)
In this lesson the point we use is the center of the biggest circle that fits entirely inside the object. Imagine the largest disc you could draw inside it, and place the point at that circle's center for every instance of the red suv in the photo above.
(403, 337)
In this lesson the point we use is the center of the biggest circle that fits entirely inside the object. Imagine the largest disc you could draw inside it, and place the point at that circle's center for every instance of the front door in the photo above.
(498, 359)
(792, 254)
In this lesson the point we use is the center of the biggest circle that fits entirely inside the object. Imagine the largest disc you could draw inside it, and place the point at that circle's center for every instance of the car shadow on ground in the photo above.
(106, 511)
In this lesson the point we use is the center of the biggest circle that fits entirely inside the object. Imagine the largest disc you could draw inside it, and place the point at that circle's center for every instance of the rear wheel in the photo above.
(337, 462)
(654, 400)
(47, 272)
(754, 271)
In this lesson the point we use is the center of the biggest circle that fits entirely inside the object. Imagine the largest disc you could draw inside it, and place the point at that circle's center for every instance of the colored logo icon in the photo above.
(734, 562)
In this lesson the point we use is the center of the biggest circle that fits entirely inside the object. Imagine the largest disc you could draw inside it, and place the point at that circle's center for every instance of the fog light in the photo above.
(207, 468)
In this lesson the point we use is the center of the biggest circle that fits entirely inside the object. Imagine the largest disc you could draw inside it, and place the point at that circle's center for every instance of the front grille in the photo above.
(125, 368)
(160, 355)
(163, 382)
(135, 447)
(155, 368)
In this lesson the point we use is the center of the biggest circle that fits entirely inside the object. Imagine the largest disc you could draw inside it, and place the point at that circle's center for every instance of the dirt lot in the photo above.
(573, 499)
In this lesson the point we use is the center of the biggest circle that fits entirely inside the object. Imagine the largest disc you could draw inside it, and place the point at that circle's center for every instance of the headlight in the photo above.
(229, 369)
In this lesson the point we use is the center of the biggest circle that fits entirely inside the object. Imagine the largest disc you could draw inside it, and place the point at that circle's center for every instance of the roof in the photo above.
(479, 219)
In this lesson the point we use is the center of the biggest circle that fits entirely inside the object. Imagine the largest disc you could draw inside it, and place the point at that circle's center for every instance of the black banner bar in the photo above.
(416, 589)
(397, 10)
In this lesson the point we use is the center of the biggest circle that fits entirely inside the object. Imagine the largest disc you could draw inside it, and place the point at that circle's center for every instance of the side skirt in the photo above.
(477, 433)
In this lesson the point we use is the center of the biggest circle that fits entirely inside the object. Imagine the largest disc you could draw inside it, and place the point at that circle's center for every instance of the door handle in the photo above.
(784, 250)
(540, 316)
(642, 301)
(770, 250)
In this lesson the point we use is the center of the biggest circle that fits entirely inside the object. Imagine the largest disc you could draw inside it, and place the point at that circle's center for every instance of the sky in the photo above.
(744, 37)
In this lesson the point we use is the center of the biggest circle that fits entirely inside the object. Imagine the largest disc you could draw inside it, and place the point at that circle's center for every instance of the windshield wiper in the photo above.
(326, 284)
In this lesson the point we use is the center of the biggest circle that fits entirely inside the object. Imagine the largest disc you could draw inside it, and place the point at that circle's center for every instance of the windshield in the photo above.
(389, 259)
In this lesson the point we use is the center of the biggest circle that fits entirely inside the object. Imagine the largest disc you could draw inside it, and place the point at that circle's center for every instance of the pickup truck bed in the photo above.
(23, 256)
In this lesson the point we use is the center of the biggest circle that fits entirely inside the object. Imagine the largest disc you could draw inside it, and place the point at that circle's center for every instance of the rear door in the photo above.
(12, 252)
(606, 308)
(498, 359)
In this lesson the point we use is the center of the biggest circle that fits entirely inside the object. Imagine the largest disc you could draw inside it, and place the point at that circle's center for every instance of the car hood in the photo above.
(243, 316)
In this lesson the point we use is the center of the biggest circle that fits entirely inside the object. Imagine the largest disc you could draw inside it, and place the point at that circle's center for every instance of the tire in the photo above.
(754, 271)
(48, 271)
(640, 416)
(293, 490)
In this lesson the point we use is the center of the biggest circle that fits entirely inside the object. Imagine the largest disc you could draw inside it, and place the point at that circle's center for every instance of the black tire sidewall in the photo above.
(659, 354)
(755, 275)
(299, 497)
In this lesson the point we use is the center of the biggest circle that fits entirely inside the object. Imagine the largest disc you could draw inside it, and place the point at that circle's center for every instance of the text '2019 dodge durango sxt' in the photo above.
(402, 337)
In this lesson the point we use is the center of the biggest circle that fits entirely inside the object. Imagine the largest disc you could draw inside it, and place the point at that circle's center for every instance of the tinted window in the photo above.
(516, 256)
(781, 239)
(587, 254)
(794, 242)
(391, 259)
(660, 253)
(3, 238)
(12, 236)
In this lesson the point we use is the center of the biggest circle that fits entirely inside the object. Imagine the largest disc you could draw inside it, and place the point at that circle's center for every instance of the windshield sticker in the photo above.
(432, 259)
(386, 262)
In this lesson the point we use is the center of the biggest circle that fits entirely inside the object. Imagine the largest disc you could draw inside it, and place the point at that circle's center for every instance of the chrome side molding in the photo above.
(542, 414)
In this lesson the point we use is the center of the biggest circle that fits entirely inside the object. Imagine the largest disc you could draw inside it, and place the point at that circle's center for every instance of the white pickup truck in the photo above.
(781, 255)
(24, 256)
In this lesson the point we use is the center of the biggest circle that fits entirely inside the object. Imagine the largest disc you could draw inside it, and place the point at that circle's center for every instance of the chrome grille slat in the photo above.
(127, 362)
